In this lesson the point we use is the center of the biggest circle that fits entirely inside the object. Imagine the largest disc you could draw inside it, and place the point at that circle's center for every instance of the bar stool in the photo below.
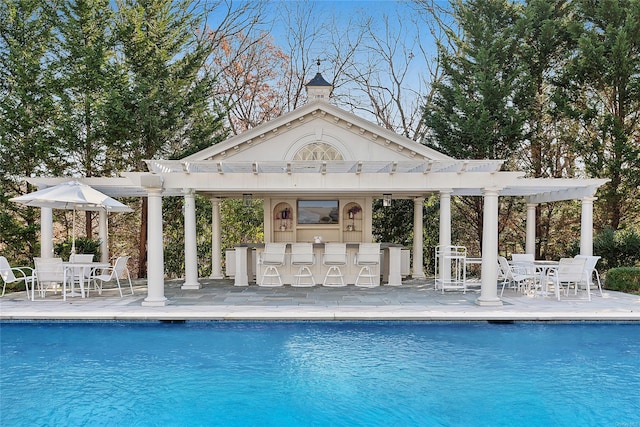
(302, 256)
(334, 257)
(272, 258)
(368, 257)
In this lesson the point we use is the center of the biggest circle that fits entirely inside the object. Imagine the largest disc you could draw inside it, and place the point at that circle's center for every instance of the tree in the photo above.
(250, 80)
(84, 52)
(544, 46)
(28, 144)
(168, 94)
(474, 113)
(600, 90)
(381, 79)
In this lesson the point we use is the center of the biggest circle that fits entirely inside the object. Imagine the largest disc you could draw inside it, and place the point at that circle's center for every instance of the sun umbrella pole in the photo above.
(73, 234)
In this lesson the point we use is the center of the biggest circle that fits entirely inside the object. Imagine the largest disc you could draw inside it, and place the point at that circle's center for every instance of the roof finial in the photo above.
(318, 63)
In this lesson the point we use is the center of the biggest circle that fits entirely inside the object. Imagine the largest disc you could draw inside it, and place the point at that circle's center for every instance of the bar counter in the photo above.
(246, 267)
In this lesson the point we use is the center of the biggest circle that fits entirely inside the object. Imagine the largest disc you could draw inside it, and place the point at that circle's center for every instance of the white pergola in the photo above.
(265, 162)
(409, 180)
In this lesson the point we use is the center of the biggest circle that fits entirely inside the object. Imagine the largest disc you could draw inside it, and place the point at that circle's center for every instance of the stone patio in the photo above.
(414, 300)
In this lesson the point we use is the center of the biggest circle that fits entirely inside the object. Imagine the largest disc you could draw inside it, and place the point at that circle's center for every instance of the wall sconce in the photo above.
(386, 200)
(246, 199)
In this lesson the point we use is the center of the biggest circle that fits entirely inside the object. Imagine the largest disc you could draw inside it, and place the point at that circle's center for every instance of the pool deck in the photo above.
(414, 300)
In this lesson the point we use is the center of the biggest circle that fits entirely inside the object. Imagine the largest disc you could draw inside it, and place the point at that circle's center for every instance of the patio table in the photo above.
(70, 268)
(544, 267)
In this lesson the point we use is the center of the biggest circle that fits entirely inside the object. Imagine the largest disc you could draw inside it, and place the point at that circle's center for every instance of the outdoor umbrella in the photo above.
(72, 195)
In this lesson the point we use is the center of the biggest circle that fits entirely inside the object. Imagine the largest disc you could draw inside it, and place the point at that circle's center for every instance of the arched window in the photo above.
(318, 151)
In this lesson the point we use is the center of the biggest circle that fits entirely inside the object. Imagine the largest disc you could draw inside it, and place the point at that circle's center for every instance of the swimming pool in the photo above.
(319, 373)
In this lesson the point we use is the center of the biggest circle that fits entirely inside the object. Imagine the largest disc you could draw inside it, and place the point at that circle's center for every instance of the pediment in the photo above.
(355, 138)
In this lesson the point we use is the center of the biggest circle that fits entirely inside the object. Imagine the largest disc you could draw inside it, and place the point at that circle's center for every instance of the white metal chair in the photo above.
(302, 257)
(271, 258)
(334, 257)
(525, 261)
(49, 272)
(368, 258)
(78, 273)
(9, 273)
(115, 272)
(516, 276)
(590, 271)
(570, 271)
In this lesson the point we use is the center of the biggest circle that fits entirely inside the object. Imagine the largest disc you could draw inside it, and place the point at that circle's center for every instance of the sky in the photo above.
(405, 24)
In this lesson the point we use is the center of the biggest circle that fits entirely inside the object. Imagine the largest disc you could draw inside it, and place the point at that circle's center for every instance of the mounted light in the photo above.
(246, 199)
(386, 200)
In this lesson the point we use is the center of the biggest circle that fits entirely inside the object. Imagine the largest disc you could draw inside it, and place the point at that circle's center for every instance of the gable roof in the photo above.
(331, 116)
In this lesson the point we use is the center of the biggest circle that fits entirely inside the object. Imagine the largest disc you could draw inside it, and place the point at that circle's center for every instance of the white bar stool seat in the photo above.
(368, 258)
(271, 259)
(303, 258)
(334, 257)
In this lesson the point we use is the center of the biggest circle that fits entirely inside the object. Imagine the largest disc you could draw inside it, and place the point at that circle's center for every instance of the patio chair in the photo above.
(334, 257)
(368, 258)
(590, 271)
(570, 271)
(49, 273)
(271, 258)
(15, 274)
(516, 276)
(77, 271)
(115, 272)
(525, 261)
(302, 257)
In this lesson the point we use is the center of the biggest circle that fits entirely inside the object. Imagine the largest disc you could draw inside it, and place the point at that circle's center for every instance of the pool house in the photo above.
(318, 169)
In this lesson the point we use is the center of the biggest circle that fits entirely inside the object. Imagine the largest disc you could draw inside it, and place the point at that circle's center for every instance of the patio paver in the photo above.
(414, 300)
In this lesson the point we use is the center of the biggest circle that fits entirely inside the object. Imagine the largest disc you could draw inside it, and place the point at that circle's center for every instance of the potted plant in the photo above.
(353, 211)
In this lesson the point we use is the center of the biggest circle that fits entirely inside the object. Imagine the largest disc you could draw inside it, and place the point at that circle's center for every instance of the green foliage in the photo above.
(28, 111)
(167, 95)
(394, 224)
(473, 115)
(82, 61)
(599, 89)
(623, 279)
(619, 248)
(84, 245)
(90, 88)
(174, 236)
(242, 224)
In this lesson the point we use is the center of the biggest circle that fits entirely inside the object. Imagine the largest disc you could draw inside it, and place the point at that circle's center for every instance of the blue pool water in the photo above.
(319, 374)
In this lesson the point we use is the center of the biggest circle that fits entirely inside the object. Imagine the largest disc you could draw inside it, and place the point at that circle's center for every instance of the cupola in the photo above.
(318, 88)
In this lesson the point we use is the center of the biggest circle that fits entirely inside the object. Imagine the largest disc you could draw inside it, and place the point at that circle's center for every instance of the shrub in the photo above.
(620, 248)
(84, 245)
(623, 279)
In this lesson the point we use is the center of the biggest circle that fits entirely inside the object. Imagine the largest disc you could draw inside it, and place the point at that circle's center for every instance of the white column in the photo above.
(445, 217)
(530, 242)
(155, 250)
(395, 261)
(418, 255)
(489, 289)
(46, 232)
(103, 234)
(586, 226)
(444, 267)
(190, 242)
(216, 240)
(242, 276)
